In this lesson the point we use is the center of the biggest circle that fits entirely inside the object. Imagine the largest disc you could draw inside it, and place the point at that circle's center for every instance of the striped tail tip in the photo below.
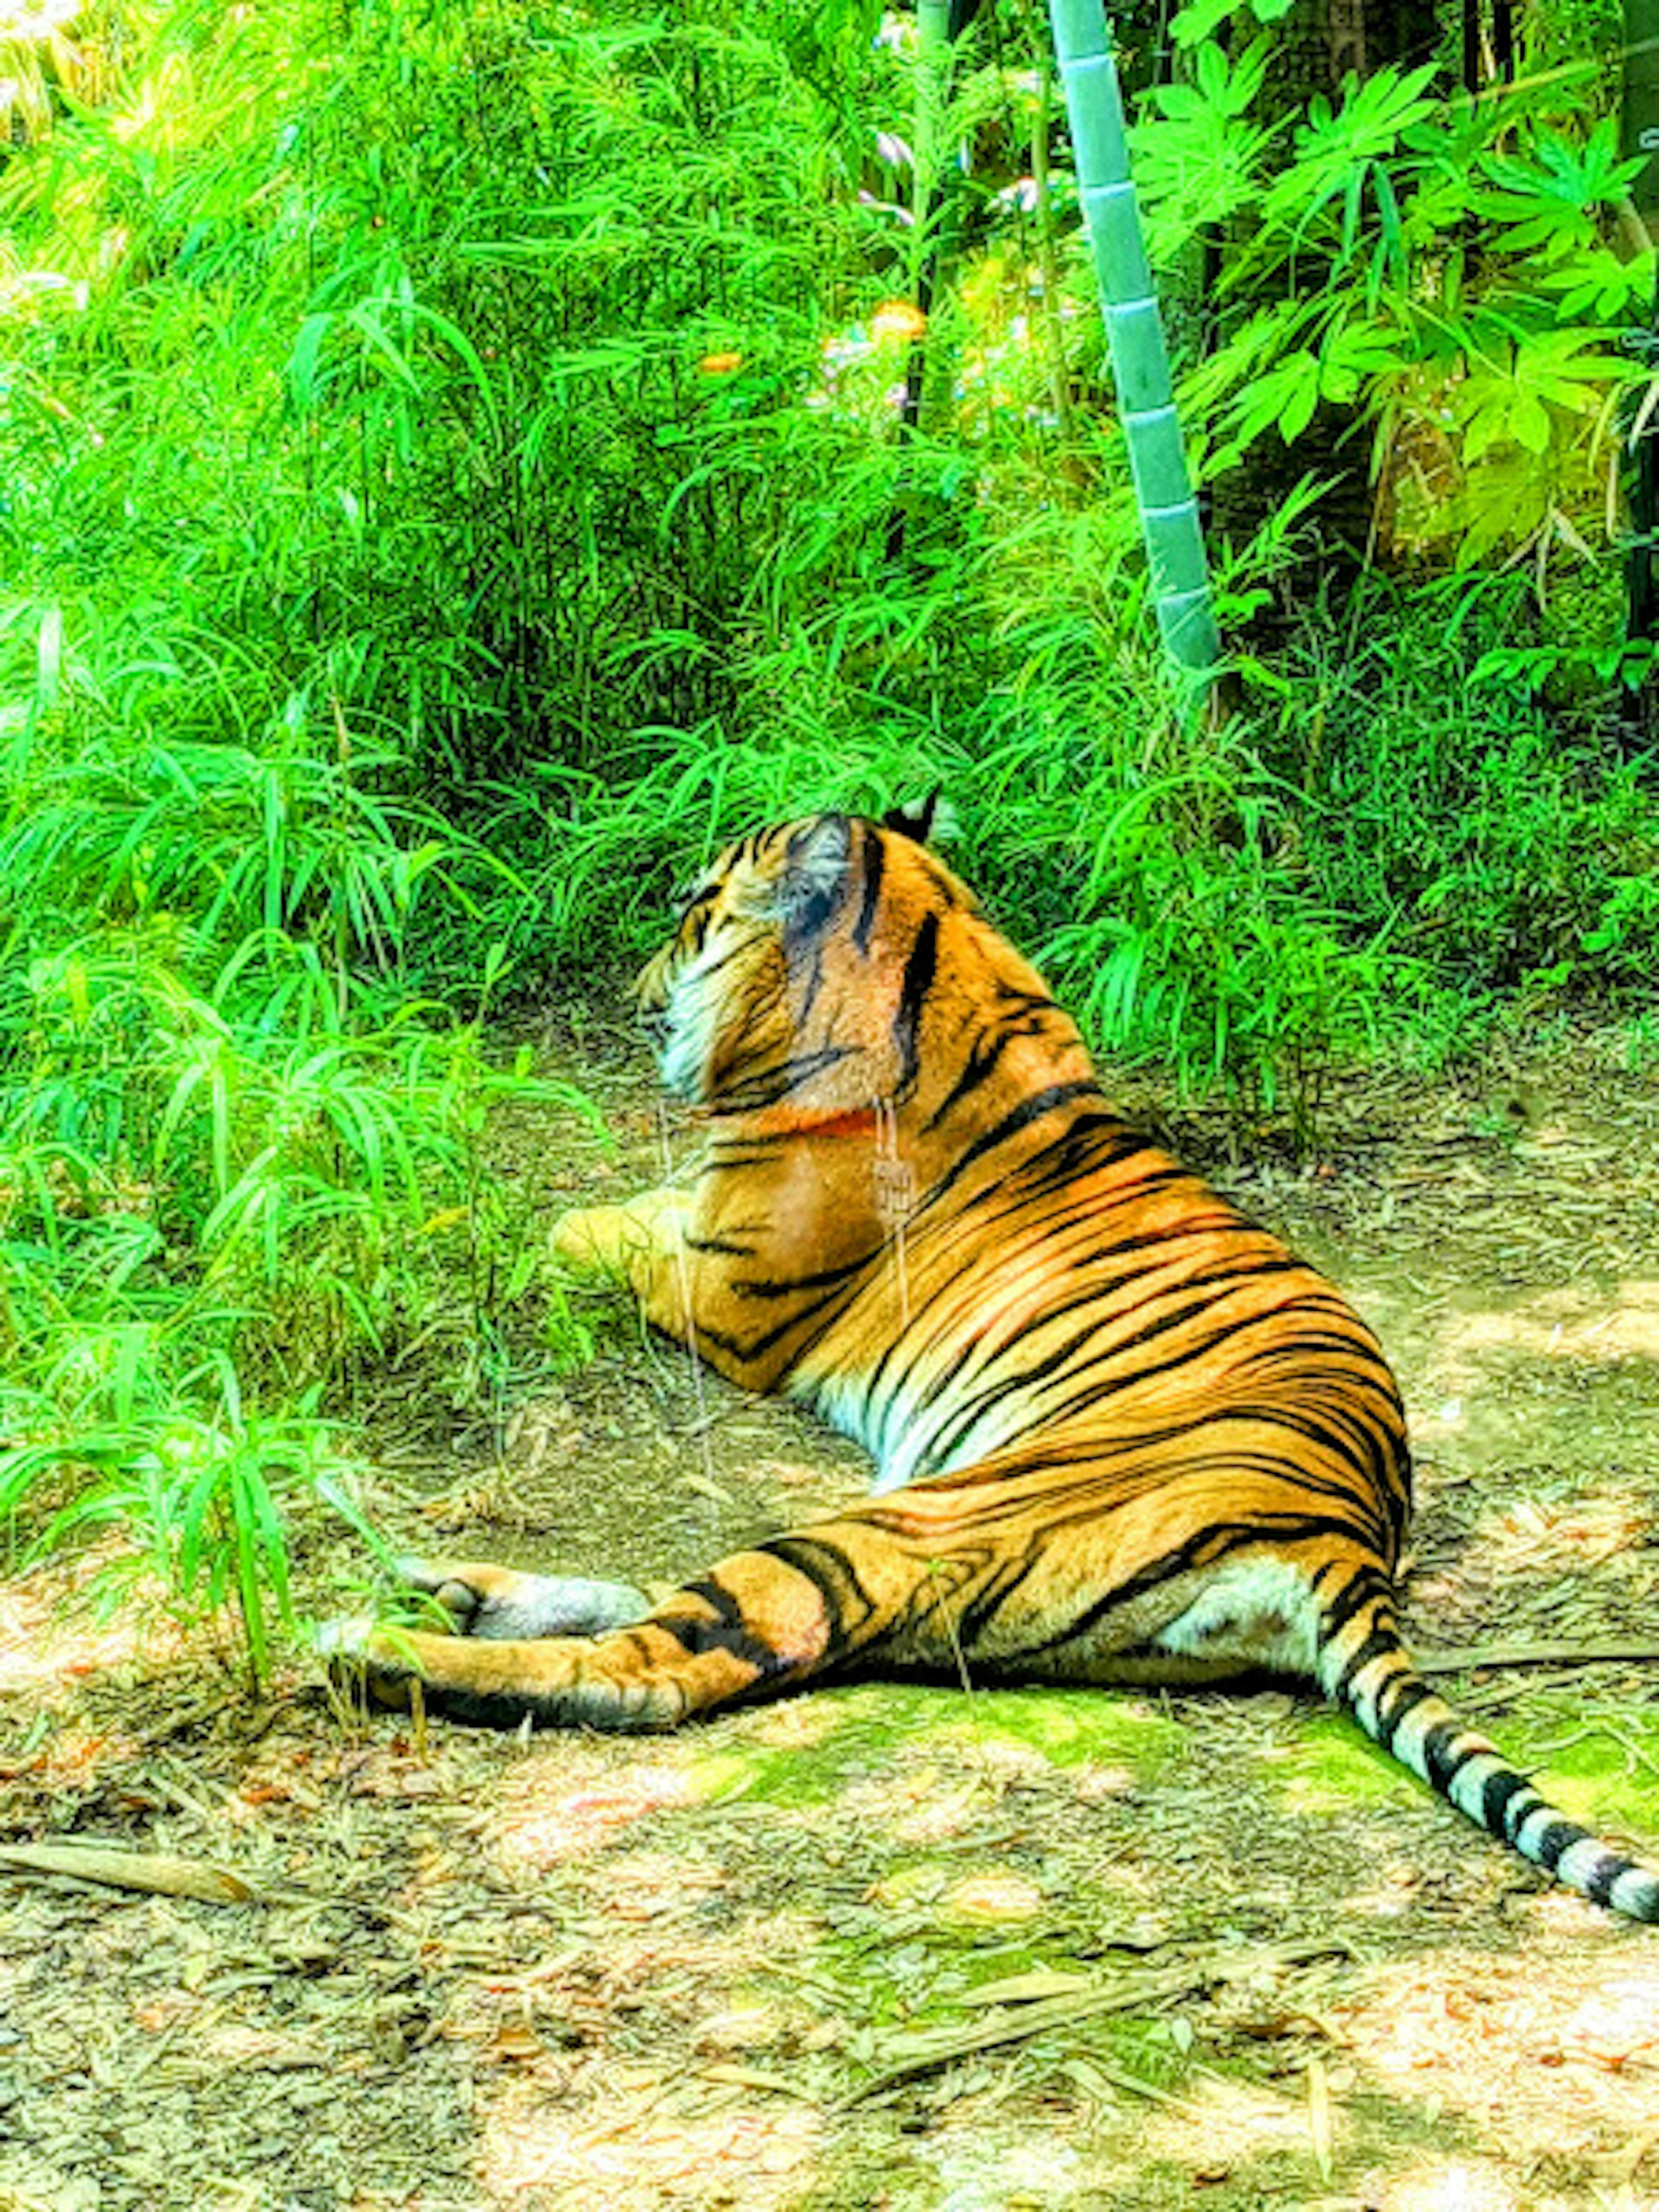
(1364, 1665)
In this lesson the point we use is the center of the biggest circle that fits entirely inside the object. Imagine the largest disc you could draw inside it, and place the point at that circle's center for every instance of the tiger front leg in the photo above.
(644, 1241)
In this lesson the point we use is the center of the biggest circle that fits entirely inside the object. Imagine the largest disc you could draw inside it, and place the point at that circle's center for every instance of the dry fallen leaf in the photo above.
(1023, 1988)
(1615, 2025)
(158, 1873)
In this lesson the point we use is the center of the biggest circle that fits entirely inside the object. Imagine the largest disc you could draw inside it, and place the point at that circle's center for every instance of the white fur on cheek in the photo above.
(693, 1018)
(684, 1053)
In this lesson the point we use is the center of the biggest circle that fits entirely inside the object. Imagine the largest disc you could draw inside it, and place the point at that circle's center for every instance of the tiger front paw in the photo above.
(587, 1238)
(614, 1240)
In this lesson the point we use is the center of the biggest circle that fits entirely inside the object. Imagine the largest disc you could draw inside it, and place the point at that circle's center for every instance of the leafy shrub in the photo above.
(241, 1160)
(1486, 833)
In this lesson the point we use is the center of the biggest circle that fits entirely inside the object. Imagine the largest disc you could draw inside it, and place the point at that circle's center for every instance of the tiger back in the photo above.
(1122, 1433)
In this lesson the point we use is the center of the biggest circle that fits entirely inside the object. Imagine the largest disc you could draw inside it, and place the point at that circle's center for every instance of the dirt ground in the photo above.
(897, 1947)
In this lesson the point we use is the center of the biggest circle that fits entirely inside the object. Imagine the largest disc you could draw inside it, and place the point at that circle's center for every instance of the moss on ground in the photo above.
(806, 1753)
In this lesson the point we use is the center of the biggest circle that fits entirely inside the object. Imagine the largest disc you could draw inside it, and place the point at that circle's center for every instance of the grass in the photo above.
(242, 1151)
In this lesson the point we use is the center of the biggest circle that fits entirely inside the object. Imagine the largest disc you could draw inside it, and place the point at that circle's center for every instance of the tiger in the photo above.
(1122, 1433)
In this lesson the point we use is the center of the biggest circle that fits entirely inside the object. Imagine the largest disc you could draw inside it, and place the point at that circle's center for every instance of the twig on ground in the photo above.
(1610, 1650)
(157, 1872)
(931, 2048)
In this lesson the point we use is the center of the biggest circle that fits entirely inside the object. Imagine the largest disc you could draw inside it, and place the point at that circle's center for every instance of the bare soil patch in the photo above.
(893, 1947)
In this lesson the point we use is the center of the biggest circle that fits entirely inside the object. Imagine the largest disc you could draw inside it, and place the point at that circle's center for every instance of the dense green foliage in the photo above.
(457, 462)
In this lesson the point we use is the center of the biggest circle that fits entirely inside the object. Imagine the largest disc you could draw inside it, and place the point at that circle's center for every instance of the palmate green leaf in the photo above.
(1198, 160)
(1511, 402)
(1353, 352)
(1199, 21)
(1202, 19)
(1598, 286)
(1527, 420)
(1550, 199)
(1335, 144)
(1507, 501)
(1285, 397)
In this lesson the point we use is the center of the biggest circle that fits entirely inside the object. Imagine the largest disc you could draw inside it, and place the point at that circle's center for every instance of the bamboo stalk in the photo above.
(1134, 333)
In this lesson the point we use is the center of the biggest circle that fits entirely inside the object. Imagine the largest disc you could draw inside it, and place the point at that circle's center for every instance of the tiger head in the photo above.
(801, 965)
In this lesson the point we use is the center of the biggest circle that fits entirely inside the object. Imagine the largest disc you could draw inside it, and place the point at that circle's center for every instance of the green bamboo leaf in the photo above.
(243, 1506)
(367, 318)
(48, 660)
(457, 340)
(301, 374)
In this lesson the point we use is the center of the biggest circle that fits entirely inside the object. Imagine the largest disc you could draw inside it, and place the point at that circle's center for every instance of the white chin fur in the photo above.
(685, 1049)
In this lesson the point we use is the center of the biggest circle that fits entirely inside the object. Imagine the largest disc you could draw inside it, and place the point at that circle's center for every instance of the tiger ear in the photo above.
(934, 817)
(815, 870)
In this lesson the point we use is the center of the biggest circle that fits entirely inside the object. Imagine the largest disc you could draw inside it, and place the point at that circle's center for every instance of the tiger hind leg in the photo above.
(752, 1626)
(886, 1586)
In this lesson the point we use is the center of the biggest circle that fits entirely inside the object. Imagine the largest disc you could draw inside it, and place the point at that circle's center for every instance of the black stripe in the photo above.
(984, 1608)
(1205, 1548)
(1499, 1806)
(1381, 1644)
(919, 972)
(830, 1570)
(727, 1631)
(986, 1050)
(769, 1086)
(733, 952)
(1401, 1699)
(1363, 1589)
(980, 1065)
(1009, 1379)
(808, 1321)
(731, 1155)
(1091, 1143)
(1557, 1840)
(1447, 1750)
(875, 864)
(1012, 1125)
(825, 1279)
(1598, 1886)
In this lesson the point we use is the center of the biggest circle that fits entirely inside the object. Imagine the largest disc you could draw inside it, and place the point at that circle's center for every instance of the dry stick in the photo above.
(933, 2048)
(1612, 1649)
(158, 1872)
(682, 1291)
(895, 1196)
